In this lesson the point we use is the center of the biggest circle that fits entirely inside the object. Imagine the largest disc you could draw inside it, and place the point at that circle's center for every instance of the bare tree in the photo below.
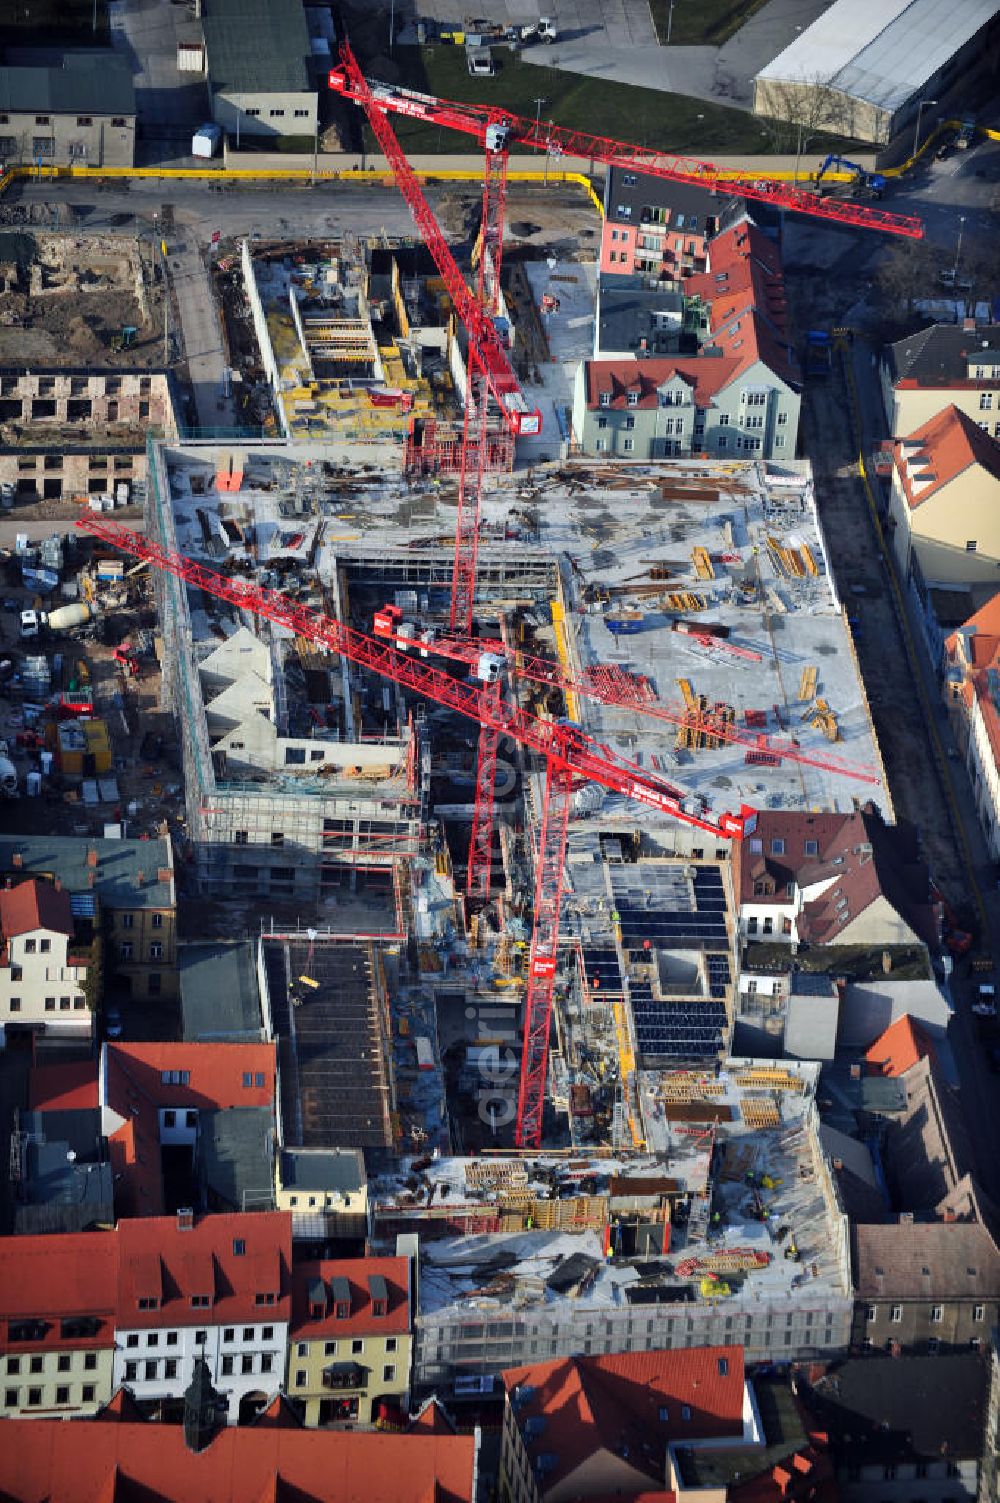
(796, 111)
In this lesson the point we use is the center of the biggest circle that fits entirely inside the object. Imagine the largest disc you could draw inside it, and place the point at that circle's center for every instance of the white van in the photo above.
(481, 64)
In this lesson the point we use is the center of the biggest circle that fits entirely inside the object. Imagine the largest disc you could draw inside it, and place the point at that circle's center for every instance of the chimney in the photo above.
(57, 884)
(185, 1219)
(91, 878)
(92, 857)
(969, 325)
(140, 878)
(17, 860)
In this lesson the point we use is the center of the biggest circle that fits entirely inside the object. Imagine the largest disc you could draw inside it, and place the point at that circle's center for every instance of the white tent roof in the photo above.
(881, 51)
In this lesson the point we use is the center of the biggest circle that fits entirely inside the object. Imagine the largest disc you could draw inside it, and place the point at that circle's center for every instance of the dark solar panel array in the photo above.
(676, 1029)
(655, 909)
(601, 969)
(718, 974)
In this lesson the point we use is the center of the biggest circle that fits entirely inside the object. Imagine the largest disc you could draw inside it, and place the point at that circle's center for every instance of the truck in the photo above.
(206, 140)
(64, 618)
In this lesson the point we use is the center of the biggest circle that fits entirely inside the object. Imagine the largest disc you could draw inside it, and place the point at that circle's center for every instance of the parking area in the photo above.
(598, 23)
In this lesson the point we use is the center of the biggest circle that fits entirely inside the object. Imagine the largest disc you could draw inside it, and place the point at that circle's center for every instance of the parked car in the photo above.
(113, 1023)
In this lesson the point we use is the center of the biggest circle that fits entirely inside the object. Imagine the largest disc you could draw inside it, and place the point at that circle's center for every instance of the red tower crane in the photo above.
(486, 122)
(570, 756)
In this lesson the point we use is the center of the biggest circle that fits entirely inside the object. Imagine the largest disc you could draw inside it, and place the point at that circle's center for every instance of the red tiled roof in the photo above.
(158, 1260)
(595, 1404)
(360, 1321)
(49, 1278)
(63, 1088)
(35, 905)
(706, 375)
(431, 1419)
(745, 291)
(942, 449)
(140, 1079)
(47, 1459)
(901, 1045)
(977, 641)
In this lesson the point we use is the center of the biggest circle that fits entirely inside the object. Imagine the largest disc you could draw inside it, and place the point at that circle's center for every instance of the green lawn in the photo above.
(672, 122)
(51, 23)
(702, 23)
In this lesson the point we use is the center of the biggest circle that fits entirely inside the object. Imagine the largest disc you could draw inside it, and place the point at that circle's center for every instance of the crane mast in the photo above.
(569, 753)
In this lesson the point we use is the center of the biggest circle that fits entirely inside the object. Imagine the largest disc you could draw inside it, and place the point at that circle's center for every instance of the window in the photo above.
(62, 1365)
(153, 1339)
(170, 1119)
(302, 1350)
(149, 1371)
(125, 951)
(171, 1338)
(227, 1366)
(633, 399)
(200, 1338)
(629, 445)
(29, 947)
(357, 1347)
(971, 545)
(301, 114)
(157, 920)
(62, 1394)
(872, 1314)
(276, 114)
(937, 1314)
(65, 1003)
(685, 1412)
(118, 121)
(388, 1373)
(146, 1303)
(240, 837)
(247, 1083)
(131, 1368)
(897, 1315)
(629, 424)
(50, 1004)
(300, 1378)
(755, 398)
(10, 1397)
(34, 1396)
(13, 1366)
(267, 1333)
(44, 946)
(88, 1393)
(933, 1346)
(985, 401)
(248, 1333)
(84, 120)
(43, 120)
(170, 1367)
(602, 422)
(777, 847)
(246, 1363)
(36, 1364)
(782, 419)
(978, 1312)
(133, 1340)
(200, 1302)
(605, 399)
(267, 1362)
(128, 920)
(155, 951)
(889, 1472)
(390, 1344)
(15, 1004)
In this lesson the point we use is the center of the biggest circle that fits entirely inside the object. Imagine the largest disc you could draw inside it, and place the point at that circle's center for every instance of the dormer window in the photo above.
(605, 399)
(633, 399)
(147, 1302)
(200, 1301)
(379, 1294)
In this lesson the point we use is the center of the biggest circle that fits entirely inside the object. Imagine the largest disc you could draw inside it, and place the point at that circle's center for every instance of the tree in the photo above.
(795, 111)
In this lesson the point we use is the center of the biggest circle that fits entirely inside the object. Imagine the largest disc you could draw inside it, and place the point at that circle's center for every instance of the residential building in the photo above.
(79, 114)
(924, 1286)
(212, 1287)
(597, 1427)
(58, 1296)
(833, 879)
(48, 1459)
(944, 365)
(784, 1458)
(635, 322)
(657, 229)
(902, 1045)
(739, 395)
(863, 71)
(903, 1429)
(349, 1342)
(125, 888)
(260, 75)
(159, 1097)
(944, 502)
(326, 1191)
(220, 992)
(42, 978)
(972, 694)
(61, 1175)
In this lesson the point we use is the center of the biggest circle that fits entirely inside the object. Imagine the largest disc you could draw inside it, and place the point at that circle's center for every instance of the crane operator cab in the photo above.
(489, 668)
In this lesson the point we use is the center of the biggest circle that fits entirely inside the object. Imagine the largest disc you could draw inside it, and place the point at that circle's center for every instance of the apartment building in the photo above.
(972, 693)
(349, 1343)
(944, 501)
(824, 879)
(657, 229)
(124, 889)
(42, 977)
(211, 1287)
(738, 395)
(944, 365)
(58, 1296)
